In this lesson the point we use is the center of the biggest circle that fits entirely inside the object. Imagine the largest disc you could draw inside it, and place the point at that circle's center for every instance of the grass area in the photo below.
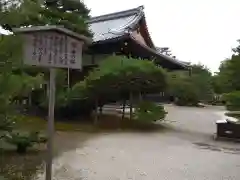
(105, 122)
(39, 124)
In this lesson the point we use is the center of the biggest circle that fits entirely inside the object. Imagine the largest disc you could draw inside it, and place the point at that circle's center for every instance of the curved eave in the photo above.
(150, 42)
(141, 17)
(122, 37)
(167, 58)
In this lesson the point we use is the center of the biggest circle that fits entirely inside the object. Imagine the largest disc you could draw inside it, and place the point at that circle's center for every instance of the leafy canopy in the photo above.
(69, 13)
(227, 79)
(191, 89)
(118, 76)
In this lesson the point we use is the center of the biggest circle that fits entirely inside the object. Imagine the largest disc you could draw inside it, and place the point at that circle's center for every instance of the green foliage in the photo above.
(186, 94)
(227, 79)
(190, 89)
(72, 15)
(24, 80)
(118, 76)
(232, 100)
(6, 124)
(13, 81)
(228, 76)
(149, 112)
(237, 49)
(13, 86)
(201, 78)
(183, 89)
(24, 140)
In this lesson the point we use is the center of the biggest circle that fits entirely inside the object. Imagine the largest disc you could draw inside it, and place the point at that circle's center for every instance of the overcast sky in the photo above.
(196, 30)
(202, 31)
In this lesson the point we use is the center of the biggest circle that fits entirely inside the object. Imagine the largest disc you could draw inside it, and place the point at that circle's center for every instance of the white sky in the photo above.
(202, 31)
(196, 30)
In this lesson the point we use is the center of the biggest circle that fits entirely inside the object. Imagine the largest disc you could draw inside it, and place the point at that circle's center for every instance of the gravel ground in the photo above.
(186, 151)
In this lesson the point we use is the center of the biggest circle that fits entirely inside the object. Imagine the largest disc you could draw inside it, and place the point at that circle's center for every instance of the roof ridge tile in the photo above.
(116, 15)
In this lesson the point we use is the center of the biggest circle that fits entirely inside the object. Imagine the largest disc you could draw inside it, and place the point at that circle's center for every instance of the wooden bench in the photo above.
(228, 128)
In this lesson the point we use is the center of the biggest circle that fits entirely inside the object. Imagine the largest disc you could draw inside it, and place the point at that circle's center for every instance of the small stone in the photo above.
(143, 173)
(113, 157)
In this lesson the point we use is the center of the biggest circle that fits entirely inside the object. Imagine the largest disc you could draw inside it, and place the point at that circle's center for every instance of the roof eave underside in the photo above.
(167, 58)
(153, 51)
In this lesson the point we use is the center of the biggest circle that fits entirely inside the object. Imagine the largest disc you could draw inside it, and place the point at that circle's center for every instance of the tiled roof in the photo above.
(114, 25)
(118, 24)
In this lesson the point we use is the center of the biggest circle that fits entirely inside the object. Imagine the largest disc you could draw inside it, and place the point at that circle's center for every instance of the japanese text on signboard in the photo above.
(53, 50)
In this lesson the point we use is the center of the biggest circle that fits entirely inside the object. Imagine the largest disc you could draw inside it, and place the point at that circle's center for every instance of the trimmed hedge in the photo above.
(232, 101)
(149, 111)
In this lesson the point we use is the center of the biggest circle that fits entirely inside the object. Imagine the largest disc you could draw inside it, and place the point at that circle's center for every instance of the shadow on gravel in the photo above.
(24, 167)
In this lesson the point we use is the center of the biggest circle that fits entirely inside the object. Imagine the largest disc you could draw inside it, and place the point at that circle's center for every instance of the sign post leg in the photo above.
(50, 127)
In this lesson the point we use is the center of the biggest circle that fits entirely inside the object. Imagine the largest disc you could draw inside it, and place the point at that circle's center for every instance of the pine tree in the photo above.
(71, 14)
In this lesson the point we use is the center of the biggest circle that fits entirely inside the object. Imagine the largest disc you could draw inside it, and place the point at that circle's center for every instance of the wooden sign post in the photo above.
(52, 47)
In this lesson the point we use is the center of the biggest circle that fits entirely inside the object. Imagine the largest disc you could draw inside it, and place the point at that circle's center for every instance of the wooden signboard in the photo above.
(52, 49)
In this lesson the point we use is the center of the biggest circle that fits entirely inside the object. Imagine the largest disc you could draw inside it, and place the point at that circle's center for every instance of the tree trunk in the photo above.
(140, 96)
(30, 100)
(21, 149)
(96, 112)
(131, 105)
(100, 110)
(123, 110)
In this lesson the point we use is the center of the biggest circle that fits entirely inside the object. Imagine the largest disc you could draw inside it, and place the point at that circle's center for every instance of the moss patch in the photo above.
(105, 122)
(113, 122)
(39, 124)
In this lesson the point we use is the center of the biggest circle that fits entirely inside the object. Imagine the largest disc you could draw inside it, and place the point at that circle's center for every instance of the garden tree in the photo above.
(227, 78)
(149, 111)
(69, 13)
(227, 81)
(118, 78)
(24, 140)
(13, 83)
(13, 86)
(216, 84)
(202, 79)
(232, 100)
(237, 49)
(189, 90)
(181, 87)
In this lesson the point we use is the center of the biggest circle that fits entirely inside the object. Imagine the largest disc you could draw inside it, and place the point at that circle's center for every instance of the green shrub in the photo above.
(149, 112)
(184, 91)
(232, 101)
(22, 141)
(6, 123)
(186, 97)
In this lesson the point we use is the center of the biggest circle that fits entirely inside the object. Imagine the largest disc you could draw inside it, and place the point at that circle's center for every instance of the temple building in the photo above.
(125, 33)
